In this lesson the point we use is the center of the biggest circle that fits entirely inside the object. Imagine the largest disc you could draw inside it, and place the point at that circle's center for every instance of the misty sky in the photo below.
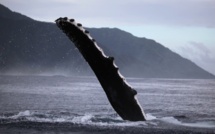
(185, 26)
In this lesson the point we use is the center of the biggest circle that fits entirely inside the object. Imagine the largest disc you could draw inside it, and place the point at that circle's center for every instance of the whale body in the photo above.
(120, 94)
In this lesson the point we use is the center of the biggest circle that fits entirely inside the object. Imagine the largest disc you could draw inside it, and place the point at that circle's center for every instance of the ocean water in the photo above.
(55, 104)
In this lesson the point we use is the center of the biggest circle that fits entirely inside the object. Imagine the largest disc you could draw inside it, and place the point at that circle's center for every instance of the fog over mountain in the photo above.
(32, 47)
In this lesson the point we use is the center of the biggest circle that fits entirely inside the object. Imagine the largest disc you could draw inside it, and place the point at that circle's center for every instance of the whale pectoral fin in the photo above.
(119, 93)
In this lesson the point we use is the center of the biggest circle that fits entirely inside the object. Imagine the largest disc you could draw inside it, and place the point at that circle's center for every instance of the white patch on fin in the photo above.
(135, 97)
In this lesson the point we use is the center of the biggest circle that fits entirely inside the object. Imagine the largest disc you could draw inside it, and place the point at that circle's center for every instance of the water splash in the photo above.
(94, 119)
(199, 124)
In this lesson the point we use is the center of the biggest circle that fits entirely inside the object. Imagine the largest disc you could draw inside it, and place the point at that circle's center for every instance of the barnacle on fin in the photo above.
(72, 20)
(111, 58)
(86, 31)
(79, 24)
(65, 18)
(134, 92)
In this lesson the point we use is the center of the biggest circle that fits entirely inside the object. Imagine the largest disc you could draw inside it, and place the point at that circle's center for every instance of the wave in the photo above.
(66, 117)
(198, 124)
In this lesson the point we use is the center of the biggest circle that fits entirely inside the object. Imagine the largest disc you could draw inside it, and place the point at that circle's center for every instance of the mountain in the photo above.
(33, 47)
(8, 14)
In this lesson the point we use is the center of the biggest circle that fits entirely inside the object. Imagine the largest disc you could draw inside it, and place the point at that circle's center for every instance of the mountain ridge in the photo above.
(34, 47)
(7, 13)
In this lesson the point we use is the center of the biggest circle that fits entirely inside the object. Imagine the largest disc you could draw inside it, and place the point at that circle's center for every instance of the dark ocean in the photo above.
(58, 104)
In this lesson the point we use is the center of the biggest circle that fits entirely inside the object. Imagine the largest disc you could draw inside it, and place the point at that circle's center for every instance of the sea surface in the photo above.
(59, 104)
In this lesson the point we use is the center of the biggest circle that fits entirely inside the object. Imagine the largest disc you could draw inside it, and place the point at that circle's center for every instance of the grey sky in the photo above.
(181, 25)
(166, 12)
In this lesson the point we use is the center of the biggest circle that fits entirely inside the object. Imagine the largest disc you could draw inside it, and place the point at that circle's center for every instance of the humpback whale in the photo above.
(120, 94)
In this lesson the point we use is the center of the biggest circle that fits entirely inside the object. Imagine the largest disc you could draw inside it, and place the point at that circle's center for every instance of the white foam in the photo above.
(203, 124)
(25, 113)
(150, 117)
(86, 119)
